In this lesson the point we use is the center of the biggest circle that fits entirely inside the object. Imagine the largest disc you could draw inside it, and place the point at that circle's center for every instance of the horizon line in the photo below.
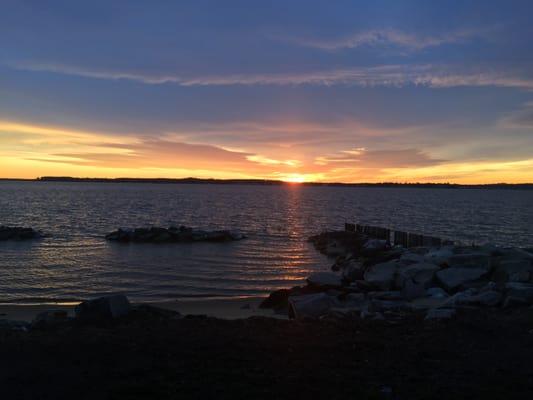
(258, 181)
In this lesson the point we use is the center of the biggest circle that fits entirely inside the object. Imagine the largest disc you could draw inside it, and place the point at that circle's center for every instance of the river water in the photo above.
(74, 261)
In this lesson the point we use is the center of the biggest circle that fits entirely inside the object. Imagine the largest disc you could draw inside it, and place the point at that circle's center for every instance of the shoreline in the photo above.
(232, 308)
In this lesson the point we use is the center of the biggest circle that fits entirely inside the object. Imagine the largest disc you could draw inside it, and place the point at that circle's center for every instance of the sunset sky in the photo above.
(349, 91)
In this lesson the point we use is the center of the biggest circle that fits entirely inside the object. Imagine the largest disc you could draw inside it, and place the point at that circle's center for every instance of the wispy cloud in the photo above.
(521, 119)
(433, 76)
(386, 37)
(364, 158)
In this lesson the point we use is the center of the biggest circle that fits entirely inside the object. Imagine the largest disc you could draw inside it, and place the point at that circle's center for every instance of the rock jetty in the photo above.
(18, 233)
(173, 235)
(370, 278)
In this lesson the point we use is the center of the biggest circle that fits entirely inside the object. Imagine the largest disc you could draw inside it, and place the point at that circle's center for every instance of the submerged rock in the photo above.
(18, 233)
(173, 235)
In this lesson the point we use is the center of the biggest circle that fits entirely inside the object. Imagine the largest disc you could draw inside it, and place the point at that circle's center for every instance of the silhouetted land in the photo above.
(482, 354)
(521, 186)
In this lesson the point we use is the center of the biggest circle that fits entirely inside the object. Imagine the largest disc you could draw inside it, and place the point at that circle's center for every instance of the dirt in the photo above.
(481, 354)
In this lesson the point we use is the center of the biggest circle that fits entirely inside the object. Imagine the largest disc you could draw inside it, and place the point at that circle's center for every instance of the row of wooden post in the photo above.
(400, 238)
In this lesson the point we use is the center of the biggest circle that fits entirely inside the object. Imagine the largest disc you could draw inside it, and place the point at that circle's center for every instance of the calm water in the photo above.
(75, 262)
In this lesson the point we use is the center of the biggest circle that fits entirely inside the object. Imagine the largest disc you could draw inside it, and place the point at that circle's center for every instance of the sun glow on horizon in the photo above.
(29, 150)
(294, 178)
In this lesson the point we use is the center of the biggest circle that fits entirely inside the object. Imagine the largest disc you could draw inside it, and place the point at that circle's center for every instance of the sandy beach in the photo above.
(233, 308)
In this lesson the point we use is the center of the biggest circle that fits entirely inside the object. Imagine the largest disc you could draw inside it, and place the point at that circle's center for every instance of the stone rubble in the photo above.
(372, 278)
(173, 235)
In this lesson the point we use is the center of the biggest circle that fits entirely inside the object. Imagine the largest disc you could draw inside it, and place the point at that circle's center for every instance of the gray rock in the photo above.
(512, 301)
(460, 298)
(310, 305)
(409, 258)
(516, 253)
(381, 275)
(389, 305)
(439, 256)
(470, 260)
(387, 295)
(419, 273)
(412, 290)
(355, 298)
(376, 244)
(236, 235)
(328, 279)
(18, 233)
(335, 249)
(51, 317)
(103, 308)
(522, 292)
(513, 270)
(12, 325)
(440, 313)
(454, 278)
(353, 271)
(490, 286)
(488, 298)
(470, 297)
(437, 293)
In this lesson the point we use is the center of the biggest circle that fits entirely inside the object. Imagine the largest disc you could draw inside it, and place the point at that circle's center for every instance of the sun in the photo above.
(294, 178)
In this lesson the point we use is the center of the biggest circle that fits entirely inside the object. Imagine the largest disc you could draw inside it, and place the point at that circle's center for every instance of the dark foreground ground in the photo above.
(482, 354)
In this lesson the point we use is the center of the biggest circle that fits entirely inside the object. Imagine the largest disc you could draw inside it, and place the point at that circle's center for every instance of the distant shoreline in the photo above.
(265, 182)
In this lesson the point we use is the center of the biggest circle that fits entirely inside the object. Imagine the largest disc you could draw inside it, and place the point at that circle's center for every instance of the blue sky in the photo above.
(296, 90)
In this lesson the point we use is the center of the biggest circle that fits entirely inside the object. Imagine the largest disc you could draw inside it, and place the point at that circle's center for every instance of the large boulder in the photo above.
(455, 278)
(324, 279)
(50, 317)
(352, 271)
(439, 256)
(382, 275)
(419, 273)
(107, 307)
(409, 258)
(470, 260)
(277, 300)
(335, 249)
(437, 293)
(513, 270)
(413, 290)
(490, 298)
(310, 305)
(519, 292)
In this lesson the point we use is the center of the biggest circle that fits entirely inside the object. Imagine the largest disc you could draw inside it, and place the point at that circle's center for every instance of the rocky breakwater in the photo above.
(18, 233)
(372, 279)
(173, 235)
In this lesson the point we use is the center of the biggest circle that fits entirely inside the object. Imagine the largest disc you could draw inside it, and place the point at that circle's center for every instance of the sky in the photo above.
(335, 91)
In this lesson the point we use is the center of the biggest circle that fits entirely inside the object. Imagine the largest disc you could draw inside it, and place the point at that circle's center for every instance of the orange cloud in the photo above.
(28, 151)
